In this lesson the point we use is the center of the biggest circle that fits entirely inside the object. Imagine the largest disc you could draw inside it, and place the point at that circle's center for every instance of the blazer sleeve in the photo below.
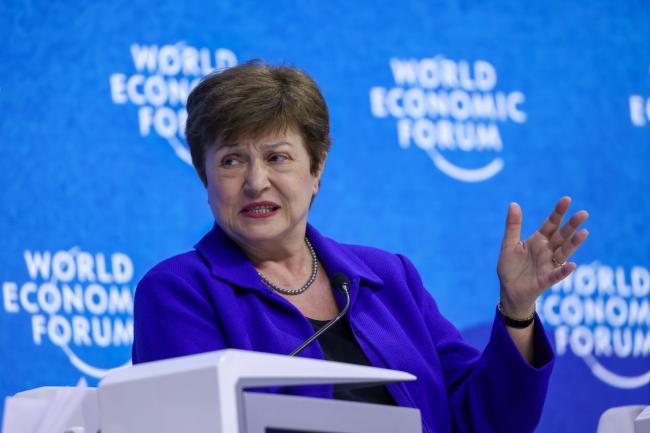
(172, 318)
(493, 391)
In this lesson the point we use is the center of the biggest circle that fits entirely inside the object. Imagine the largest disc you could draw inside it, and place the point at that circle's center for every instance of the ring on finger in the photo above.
(557, 263)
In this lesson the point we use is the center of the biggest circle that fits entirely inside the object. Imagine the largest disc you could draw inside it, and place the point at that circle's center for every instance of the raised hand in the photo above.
(527, 268)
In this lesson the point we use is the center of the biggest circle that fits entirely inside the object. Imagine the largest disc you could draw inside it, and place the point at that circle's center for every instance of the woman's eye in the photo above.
(278, 157)
(229, 161)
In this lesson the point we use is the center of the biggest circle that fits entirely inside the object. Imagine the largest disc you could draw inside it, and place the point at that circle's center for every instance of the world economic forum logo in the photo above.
(159, 84)
(601, 313)
(79, 301)
(451, 109)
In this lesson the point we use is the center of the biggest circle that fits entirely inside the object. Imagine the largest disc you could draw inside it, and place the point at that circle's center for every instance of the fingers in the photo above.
(562, 254)
(553, 221)
(512, 231)
(560, 273)
(561, 236)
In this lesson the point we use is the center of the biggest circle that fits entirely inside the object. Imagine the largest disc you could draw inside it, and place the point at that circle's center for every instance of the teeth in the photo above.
(260, 209)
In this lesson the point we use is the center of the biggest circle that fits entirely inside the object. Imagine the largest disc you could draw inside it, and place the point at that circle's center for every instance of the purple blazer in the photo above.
(212, 298)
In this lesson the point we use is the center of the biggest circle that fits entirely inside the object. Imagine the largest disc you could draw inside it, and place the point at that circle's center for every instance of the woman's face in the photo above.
(260, 190)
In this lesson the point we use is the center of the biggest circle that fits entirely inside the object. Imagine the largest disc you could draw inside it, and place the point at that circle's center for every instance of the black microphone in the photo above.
(341, 283)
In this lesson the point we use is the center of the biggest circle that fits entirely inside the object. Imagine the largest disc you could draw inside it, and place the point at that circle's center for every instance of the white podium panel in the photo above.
(316, 415)
(204, 394)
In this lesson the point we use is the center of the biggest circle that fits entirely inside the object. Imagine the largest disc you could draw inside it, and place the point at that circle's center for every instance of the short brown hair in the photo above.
(252, 100)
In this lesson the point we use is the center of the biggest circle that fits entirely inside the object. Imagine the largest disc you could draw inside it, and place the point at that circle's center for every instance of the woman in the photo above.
(259, 280)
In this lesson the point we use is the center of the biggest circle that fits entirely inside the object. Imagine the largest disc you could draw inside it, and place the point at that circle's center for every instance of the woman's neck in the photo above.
(285, 261)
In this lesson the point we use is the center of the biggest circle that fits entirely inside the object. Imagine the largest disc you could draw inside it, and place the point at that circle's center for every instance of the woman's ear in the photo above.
(318, 175)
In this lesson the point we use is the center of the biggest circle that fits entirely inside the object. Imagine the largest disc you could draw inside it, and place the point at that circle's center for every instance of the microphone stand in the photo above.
(343, 288)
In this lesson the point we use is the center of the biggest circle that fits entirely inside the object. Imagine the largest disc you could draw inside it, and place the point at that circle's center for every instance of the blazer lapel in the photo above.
(227, 261)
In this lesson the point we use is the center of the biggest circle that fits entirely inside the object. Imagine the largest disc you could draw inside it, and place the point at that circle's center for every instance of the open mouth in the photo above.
(260, 209)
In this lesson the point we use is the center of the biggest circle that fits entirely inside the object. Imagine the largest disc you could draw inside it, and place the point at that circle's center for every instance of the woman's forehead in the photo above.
(264, 141)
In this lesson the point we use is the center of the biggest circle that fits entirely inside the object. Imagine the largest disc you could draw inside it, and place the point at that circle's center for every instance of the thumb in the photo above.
(512, 231)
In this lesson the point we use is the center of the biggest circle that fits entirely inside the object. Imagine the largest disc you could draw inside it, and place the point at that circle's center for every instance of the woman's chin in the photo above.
(261, 232)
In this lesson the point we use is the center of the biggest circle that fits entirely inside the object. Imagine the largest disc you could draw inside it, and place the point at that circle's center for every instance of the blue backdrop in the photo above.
(442, 113)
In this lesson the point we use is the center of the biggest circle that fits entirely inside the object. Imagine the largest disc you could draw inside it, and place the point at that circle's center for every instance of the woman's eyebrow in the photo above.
(263, 145)
(225, 145)
(274, 145)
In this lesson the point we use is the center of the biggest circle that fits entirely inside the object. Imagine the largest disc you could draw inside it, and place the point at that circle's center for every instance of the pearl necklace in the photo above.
(312, 278)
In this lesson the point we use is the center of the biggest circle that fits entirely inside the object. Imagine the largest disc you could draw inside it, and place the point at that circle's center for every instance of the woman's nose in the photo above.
(257, 180)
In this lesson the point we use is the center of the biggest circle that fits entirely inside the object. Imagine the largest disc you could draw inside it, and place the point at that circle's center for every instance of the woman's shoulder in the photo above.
(379, 261)
(372, 254)
(385, 264)
(185, 266)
